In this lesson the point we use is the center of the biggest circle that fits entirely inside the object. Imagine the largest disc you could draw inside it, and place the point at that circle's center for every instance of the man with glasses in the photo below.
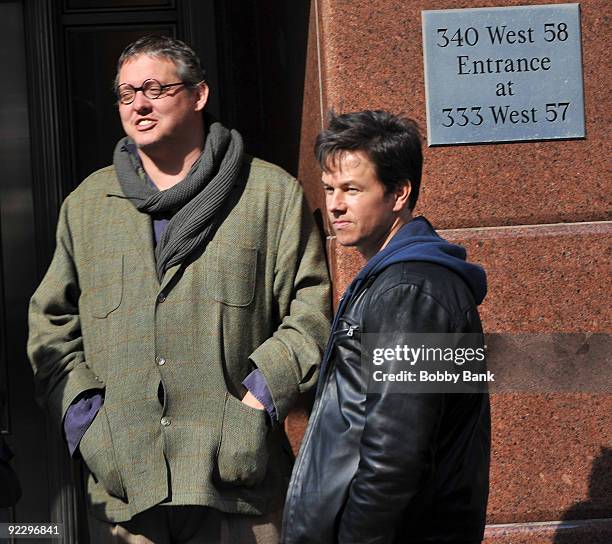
(184, 311)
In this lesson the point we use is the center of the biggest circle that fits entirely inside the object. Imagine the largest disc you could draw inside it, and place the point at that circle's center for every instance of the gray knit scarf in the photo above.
(196, 199)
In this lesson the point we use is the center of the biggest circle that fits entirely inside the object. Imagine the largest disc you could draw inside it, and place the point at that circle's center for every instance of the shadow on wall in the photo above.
(597, 508)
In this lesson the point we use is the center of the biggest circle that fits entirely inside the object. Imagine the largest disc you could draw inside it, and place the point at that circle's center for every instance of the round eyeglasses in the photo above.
(151, 88)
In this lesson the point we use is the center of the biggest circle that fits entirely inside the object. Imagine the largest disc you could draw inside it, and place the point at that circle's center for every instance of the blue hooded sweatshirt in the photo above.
(415, 241)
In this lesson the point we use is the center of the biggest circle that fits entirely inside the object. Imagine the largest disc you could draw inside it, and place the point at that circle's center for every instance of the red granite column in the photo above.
(536, 215)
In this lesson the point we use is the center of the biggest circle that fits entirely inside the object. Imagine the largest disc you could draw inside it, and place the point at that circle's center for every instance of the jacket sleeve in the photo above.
(55, 345)
(397, 445)
(289, 360)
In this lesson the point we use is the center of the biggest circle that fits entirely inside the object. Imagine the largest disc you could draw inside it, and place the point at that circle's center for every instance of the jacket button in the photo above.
(161, 298)
(161, 361)
(166, 421)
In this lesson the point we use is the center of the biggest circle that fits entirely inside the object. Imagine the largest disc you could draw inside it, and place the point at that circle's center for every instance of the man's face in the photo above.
(160, 124)
(360, 212)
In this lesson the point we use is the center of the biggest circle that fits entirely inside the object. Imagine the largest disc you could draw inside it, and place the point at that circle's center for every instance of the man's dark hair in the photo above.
(188, 67)
(391, 143)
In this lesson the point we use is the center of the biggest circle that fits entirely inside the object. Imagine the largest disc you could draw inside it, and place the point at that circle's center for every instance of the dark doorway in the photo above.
(21, 421)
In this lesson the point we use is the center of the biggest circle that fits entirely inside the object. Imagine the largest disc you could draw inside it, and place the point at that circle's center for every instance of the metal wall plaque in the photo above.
(503, 74)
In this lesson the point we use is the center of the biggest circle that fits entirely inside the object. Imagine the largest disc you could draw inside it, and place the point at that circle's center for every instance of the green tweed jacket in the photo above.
(171, 357)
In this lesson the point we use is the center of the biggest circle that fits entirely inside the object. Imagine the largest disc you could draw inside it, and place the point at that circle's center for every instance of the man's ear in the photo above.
(401, 195)
(201, 95)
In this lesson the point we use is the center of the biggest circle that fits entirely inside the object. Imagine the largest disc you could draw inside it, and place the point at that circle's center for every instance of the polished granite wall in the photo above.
(536, 215)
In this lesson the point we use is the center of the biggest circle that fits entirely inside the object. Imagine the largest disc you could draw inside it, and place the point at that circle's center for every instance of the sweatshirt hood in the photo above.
(418, 241)
(415, 241)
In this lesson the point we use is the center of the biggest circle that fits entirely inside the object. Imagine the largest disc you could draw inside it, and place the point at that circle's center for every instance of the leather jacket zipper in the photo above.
(314, 417)
(350, 331)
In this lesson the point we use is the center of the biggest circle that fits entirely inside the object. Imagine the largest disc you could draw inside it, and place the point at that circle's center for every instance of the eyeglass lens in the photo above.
(151, 88)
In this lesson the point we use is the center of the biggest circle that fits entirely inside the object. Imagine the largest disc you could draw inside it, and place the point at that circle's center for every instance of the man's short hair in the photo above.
(188, 67)
(392, 144)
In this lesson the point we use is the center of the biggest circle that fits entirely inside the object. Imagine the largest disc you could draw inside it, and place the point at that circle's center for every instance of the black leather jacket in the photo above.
(382, 468)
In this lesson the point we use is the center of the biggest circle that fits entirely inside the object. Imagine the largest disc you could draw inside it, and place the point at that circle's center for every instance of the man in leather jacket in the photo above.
(383, 461)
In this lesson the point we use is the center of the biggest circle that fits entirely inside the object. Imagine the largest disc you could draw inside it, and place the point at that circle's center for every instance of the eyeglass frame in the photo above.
(162, 88)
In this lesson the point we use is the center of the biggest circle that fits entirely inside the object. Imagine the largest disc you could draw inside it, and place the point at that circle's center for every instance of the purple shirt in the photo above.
(84, 408)
(79, 416)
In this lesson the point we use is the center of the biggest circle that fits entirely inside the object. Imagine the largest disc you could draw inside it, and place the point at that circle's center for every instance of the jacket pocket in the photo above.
(97, 450)
(242, 455)
(231, 278)
(107, 290)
